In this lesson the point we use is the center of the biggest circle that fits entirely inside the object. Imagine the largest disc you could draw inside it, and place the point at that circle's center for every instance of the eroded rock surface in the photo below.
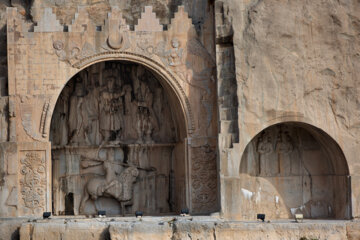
(176, 228)
(299, 58)
(296, 61)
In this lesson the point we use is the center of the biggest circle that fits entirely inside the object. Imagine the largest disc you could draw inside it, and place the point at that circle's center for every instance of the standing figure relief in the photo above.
(76, 114)
(264, 148)
(111, 110)
(115, 105)
(121, 130)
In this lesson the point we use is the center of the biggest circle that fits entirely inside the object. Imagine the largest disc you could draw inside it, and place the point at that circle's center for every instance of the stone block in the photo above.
(141, 230)
(187, 230)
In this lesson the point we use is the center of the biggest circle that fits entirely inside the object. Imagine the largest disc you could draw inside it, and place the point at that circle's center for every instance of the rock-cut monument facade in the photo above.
(226, 109)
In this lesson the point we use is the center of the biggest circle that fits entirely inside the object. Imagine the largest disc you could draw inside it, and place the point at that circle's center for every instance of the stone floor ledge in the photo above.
(175, 228)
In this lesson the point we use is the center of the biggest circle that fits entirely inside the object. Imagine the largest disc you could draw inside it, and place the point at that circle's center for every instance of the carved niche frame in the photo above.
(43, 58)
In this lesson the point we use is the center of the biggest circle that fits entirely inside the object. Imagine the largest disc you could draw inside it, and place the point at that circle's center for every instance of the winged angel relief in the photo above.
(180, 60)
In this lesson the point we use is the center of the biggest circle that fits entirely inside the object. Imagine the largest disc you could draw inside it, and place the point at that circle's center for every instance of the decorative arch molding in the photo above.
(295, 118)
(50, 55)
(171, 54)
(165, 77)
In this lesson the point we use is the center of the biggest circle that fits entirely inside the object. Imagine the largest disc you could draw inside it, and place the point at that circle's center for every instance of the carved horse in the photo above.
(120, 188)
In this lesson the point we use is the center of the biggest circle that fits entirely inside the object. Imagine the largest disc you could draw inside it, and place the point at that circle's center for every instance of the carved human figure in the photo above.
(76, 115)
(175, 53)
(283, 148)
(111, 110)
(264, 148)
(112, 185)
(91, 106)
(130, 132)
(144, 126)
(146, 119)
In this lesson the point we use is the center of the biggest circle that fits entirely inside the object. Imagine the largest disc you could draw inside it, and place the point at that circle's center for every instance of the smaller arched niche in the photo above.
(117, 136)
(294, 168)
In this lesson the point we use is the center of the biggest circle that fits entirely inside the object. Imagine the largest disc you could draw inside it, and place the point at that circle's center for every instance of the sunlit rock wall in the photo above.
(295, 61)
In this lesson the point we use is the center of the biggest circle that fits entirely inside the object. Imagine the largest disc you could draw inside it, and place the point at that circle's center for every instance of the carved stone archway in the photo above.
(80, 150)
(167, 78)
(295, 168)
(43, 58)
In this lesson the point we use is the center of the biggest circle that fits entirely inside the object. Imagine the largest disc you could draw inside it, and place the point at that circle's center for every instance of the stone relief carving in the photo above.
(76, 114)
(113, 185)
(44, 118)
(283, 144)
(69, 55)
(284, 148)
(274, 154)
(145, 47)
(200, 77)
(113, 106)
(171, 49)
(172, 56)
(204, 178)
(137, 109)
(118, 38)
(33, 181)
(264, 148)
(34, 124)
(125, 105)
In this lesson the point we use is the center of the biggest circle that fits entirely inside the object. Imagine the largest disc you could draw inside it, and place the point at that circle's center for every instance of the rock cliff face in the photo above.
(296, 61)
(299, 58)
(277, 61)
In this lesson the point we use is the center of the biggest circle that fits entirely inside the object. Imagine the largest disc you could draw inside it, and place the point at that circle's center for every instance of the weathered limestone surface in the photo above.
(178, 228)
(276, 62)
(147, 229)
(134, 132)
(295, 61)
(65, 230)
(10, 228)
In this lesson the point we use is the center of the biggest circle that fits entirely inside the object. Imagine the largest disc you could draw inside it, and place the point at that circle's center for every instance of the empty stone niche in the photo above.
(293, 168)
(117, 143)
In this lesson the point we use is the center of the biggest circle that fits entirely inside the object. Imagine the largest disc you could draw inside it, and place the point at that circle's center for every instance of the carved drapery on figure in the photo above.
(116, 185)
(113, 102)
(115, 148)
